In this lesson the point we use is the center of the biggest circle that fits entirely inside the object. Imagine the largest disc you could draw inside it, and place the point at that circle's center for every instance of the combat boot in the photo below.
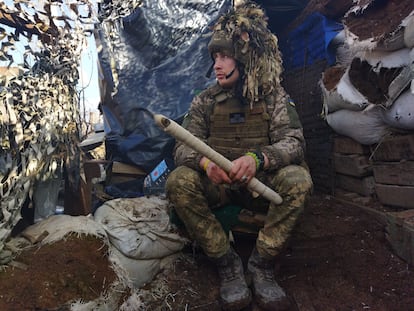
(234, 292)
(268, 294)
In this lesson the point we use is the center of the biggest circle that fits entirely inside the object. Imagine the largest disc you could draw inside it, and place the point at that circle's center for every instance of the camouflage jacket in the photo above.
(285, 130)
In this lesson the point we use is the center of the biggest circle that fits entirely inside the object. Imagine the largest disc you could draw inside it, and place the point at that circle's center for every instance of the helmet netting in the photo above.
(255, 46)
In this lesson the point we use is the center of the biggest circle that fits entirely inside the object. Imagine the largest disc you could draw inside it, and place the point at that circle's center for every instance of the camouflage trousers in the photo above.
(193, 197)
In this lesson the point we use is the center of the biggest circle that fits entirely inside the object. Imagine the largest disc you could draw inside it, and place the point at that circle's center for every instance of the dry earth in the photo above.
(338, 259)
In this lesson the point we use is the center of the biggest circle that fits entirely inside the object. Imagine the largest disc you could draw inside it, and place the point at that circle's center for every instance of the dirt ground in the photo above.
(338, 259)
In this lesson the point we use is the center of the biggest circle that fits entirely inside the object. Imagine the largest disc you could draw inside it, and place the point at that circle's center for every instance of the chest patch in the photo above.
(237, 117)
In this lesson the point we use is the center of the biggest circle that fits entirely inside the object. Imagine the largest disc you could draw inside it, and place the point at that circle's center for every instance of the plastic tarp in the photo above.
(309, 42)
(161, 60)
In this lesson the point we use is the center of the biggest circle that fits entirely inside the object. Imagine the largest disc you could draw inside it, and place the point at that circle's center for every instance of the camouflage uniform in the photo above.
(193, 195)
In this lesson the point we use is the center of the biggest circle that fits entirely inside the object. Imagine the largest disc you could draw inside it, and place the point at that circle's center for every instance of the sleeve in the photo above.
(197, 123)
(286, 133)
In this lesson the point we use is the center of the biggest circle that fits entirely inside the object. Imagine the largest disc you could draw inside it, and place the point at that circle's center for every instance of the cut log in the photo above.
(401, 196)
(400, 234)
(364, 186)
(352, 164)
(395, 148)
(394, 173)
(347, 145)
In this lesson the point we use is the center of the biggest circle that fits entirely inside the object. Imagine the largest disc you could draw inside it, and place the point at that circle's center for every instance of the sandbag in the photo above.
(409, 31)
(139, 272)
(361, 24)
(140, 227)
(365, 127)
(381, 76)
(344, 53)
(132, 274)
(338, 91)
(401, 113)
(57, 227)
(392, 42)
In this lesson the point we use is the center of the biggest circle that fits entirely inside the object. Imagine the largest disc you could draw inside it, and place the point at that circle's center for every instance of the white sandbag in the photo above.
(365, 127)
(131, 273)
(401, 113)
(57, 227)
(139, 228)
(350, 94)
(409, 31)
(344, 54)
(341, 93)
(390, 39)
(356, 44)
(386, 59)
(381, 62)
(139, 272)
(392, 42)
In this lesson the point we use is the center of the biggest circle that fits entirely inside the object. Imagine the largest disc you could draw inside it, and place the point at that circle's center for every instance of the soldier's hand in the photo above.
(216, 174)
(243, 169)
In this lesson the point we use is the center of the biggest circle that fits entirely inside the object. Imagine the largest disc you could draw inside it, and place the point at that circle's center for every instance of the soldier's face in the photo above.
(225, 69)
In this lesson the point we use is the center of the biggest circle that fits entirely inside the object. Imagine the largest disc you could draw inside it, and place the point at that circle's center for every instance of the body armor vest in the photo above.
(236, 129)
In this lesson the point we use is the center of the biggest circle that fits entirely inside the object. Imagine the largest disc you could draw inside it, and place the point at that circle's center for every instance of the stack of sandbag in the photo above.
(367, 94)
(141, 242)
(141, 236)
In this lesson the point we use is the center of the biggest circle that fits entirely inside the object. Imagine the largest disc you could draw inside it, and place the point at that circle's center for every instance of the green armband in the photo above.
(258, 157)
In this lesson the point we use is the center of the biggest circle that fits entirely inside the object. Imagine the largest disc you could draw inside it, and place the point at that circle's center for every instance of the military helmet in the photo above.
(221, 42)
(243, 34)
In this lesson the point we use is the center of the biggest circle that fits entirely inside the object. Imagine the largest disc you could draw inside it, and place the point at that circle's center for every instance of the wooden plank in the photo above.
(379, 215)
(347, 145)
(93, 168)
(402, 196)
(127, 169)
(395, 148)
(394, 173)
(400, 233)
(364, 186)
(408, 227)
(352, 164)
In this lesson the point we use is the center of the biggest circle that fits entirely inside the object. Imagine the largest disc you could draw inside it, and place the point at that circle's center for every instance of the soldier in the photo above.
(248, 117)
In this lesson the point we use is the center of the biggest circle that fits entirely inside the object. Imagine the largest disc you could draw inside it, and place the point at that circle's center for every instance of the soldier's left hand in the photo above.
(243, 169)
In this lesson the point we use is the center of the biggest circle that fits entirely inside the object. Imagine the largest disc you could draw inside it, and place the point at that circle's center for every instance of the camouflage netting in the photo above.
(41, 45)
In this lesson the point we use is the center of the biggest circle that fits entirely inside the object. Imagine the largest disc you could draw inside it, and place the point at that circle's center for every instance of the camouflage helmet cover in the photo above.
(221, 42)
(243, 34)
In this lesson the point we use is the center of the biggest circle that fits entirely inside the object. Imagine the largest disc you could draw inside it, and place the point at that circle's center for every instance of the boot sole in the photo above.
(237, 305)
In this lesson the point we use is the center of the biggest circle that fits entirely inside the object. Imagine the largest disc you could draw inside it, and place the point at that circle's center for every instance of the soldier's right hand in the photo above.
(216, 174)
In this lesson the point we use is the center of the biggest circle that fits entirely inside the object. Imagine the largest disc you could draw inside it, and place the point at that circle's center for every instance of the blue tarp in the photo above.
(309, 42)
(161, 58)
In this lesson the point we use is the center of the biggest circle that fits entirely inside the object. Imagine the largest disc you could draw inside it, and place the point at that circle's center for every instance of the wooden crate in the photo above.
(394, 195)
(352, 164)
(394, 173)
(395, 148)
(364, 186)
(400, 234)
(347, 145)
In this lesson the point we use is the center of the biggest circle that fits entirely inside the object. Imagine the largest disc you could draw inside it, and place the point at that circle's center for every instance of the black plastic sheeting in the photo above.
(162, 61)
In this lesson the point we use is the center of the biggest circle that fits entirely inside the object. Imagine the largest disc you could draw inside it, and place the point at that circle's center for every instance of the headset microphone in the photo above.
(231, 73)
